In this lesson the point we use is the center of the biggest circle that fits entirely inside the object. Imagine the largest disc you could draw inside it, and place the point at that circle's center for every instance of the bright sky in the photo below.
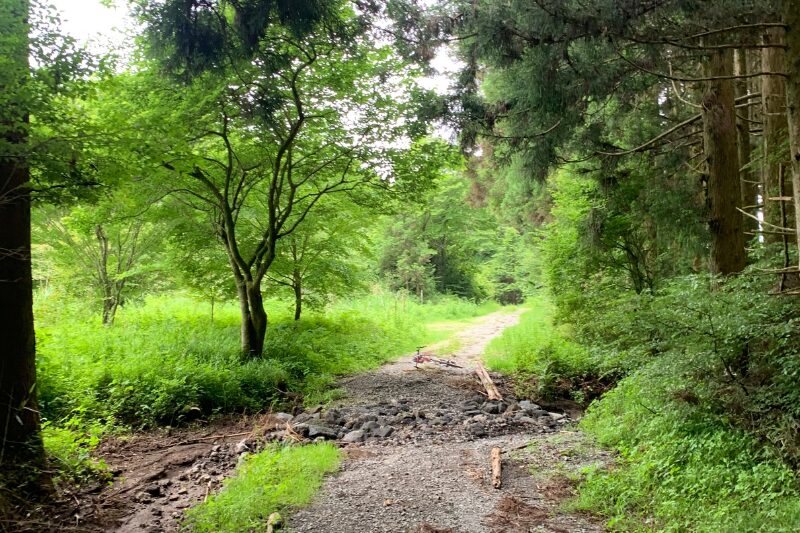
(89, 20)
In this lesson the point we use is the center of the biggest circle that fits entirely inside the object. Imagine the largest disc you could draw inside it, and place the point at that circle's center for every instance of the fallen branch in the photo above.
(488, 384)
(496, 468)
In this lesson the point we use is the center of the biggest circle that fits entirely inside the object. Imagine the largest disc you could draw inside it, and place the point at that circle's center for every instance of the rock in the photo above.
(472, 412)
(537, 412)
(143, 497)
(283, 417)
(404, 418)
(479, 418)
(241, 447)
(419, 413)
(527, 405)
(274, 522)
(513, 407)
(354, 436)
(301, 428)
(370, 426)
(315, 431)
(383, 431)
(491, 408)
(526, 420)
(556, 416)
(153, 489)
(216, 448)
(303, 418)
(477, 430)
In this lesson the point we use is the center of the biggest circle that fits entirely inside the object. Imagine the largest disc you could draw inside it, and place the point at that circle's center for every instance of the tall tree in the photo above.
(258, 142)
(791, 17)
(773, 95)
(21, 449)
(722, 160)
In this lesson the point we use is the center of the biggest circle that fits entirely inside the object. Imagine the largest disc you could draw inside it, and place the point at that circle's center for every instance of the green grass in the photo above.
(274, 480)
(164, 362)
(679, 469)
(539, 354)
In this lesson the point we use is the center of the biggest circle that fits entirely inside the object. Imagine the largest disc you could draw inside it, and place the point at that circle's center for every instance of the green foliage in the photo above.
(166, 362)
(70, 449)
(274, 480)
(545, 363)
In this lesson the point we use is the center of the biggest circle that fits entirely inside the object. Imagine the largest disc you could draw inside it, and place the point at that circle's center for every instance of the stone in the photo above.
(556, 416)
(513, 407)
(383, 431)
(370, 426)
(303, 418)
(526, 420)
(241, 447)
(216, 448)
(153, 489)
(354, 436)
(491, 408)
(477, 430)
(301, 428)
(325, 432)
(527, 405)
(283, 417)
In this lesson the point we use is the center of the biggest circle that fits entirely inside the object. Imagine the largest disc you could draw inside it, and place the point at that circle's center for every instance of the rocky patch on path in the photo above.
(399, 421)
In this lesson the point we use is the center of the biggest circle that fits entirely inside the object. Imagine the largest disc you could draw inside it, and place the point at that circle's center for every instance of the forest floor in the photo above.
(416, 445)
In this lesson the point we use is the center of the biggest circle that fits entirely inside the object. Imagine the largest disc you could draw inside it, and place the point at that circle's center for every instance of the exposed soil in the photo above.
(437, 477)
(416, 441)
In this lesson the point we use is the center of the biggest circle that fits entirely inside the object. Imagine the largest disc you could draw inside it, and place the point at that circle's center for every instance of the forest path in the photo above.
(420, 462)
(434, 473)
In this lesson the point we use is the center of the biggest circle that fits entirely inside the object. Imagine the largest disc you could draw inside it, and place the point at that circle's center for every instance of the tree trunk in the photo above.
(747, 176)
(254, 317)
(791, 18)
(297, 285)
(722, 160)
(21, 450)
(773, 94)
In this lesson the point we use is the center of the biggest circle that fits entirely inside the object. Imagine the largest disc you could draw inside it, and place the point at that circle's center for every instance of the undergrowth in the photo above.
(165, 362)
(274, 480)
(705, 412)
(545, 363)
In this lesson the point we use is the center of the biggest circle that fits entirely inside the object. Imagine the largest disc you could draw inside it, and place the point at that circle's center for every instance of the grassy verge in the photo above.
(703, 414)
(545, 363)
(165, 362)
(274, 480)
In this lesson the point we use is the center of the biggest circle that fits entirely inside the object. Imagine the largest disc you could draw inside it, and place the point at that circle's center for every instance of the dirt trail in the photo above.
(416, 442)
(436, 477)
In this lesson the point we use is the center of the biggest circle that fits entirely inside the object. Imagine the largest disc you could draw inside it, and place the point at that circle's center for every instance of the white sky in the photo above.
(90, 21)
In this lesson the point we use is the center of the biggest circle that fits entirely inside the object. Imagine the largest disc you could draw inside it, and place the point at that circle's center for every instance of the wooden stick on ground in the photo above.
(496, 468)
(487, 382)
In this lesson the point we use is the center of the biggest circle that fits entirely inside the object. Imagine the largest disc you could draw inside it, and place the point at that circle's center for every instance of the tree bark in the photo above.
(773, 94)
(749, 183)
(21, 450)
(297, 285)
(722, 160)
(254, 317)
(791, 17)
